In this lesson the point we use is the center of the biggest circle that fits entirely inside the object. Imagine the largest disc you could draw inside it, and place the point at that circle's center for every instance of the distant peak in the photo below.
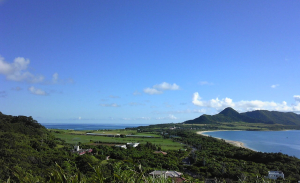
(228, 111)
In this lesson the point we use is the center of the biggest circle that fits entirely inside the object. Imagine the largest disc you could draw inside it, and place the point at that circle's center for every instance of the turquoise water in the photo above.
(286, 142)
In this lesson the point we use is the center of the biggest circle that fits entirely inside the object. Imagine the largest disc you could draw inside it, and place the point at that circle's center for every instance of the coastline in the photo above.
(235, 143)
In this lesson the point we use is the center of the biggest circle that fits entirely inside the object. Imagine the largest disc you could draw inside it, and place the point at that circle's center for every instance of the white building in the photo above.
(133, 144)
(275, 174)
(76, 148)
(121, 146)
(166, 173)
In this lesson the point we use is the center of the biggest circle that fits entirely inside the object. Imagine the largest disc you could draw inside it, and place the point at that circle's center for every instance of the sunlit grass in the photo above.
(73, 138)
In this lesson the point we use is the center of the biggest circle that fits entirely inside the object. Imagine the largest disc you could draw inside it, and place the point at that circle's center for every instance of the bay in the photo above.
(90, 126)
(286, 142)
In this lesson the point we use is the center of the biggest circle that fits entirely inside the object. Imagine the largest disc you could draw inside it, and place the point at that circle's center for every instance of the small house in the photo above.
(275, 174)
(79, 151)
(166, 173)
(160, 152)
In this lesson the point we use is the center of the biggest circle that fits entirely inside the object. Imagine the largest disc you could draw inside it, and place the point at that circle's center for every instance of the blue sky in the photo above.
(147, 62)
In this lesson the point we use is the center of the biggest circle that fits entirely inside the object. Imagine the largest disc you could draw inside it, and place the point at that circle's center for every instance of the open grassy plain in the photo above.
(74, 137)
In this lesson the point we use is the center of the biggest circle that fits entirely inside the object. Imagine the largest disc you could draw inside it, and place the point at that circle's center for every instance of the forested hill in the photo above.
(285, 118)
(227, 115)
(259, 116)
(21, 124)
(25, 145)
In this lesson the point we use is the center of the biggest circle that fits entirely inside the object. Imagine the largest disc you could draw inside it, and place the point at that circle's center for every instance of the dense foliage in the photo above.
(26, 145)
(286, 118)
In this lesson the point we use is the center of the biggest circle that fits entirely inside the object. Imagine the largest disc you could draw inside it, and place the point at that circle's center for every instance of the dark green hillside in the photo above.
(203, 119)
(285, 118)
(227, 115)
(25, 145)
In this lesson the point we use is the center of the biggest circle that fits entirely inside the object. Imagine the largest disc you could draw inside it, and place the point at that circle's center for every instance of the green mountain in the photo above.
(285, 118)
(259, 116)
(25, 145)
(227, 115)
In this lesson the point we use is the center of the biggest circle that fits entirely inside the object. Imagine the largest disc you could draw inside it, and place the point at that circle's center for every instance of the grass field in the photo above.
(74, 137)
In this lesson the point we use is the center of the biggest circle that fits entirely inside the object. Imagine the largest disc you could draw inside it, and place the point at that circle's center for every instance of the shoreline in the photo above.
(235, 143)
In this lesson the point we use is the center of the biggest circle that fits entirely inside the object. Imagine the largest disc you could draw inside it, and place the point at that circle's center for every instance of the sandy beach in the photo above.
(235, 143)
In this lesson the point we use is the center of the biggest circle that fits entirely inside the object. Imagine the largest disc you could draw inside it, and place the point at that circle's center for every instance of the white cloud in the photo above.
(36, 91)
(17, 71)
(159, 88)
(274, 86)
(243, 106)
(166, 86)
(79, 118)
(152, 91)
(205, 83)
(110, 105)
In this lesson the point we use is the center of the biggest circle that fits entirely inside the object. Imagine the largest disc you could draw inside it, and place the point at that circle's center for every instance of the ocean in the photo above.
(286, 142)
(90, 126)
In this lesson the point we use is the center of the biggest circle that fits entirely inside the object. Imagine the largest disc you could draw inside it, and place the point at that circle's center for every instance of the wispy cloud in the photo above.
(57, 80)
(110, 105)
(36, 91)
(113, 96)
(242, 106)
(205, 83)
(171, 116)
(187, 111)
(159, 88)
(135, 104)
(297, 98)
(134, 119)
(136, 93)
(16, 88)
(274, 86)
(152, 91)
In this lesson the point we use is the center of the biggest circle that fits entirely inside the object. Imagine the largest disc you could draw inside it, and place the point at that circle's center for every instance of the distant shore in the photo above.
(235, 143)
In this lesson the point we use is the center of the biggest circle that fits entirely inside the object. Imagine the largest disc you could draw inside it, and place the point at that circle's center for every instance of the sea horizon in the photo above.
(92, 126)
